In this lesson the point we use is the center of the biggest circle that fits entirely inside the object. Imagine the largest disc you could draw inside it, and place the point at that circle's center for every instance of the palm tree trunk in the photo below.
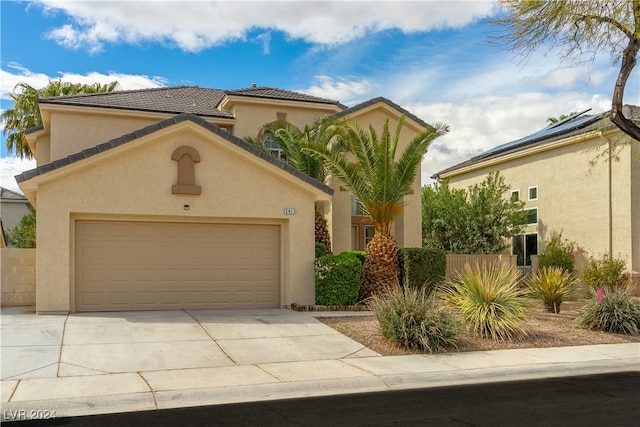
(381, 270)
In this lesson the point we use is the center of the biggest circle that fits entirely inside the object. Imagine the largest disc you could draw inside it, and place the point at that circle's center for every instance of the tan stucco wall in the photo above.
(573, 196)
(133, 182)
(17, 277)
(72, 132)
(252, 117)
(43, 150)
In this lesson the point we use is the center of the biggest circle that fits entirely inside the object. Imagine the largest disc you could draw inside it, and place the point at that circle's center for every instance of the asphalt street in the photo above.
(593, 400)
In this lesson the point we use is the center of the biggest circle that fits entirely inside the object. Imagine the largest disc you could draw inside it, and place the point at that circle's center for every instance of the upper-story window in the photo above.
(533, 193)
(275, 150)
(356, 207)
(532, 216)
(515, 195)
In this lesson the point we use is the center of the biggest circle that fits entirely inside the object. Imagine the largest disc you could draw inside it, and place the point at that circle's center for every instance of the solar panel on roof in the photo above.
(563, 126)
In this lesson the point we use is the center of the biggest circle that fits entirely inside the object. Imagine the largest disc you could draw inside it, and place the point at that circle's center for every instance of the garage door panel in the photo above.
(145, 265)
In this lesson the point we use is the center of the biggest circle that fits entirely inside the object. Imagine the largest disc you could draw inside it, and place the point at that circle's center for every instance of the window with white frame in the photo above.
(515, 195)
(356, 207)
(533, 193)
(273, 147)
(532, 216)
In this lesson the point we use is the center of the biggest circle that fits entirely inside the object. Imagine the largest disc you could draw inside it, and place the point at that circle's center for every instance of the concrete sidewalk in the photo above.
(117, 362)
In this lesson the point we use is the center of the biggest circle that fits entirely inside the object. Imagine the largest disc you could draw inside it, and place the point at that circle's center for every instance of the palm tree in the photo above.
(25, 113)
(371, 172)
(327, 132)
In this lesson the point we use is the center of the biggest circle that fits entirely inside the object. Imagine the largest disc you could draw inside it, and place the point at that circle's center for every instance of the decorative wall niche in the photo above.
(186, 157)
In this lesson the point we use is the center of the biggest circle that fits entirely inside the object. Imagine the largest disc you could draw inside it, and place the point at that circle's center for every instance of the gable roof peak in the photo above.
(184, 117)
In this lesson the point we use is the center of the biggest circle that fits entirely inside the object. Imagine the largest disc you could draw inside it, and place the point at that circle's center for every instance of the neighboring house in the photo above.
(597, 206)
(13, 206)
(150, 199)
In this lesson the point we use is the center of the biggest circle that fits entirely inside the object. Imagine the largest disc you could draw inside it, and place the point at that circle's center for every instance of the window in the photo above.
(523, 246)
(369, 232)
(356, 207)
(533, 193)
(532, 216)
(515, 195)
(275, 150)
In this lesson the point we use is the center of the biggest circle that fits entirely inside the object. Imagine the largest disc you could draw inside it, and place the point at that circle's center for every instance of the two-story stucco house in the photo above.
(593, 203)
(151, 199)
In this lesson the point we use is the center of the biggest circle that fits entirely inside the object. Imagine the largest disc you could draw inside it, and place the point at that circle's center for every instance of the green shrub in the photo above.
(422, 267)
(611, 310)
(321, 250)
(338, 279)
(558, 253)
(24, 235)
(414, 318)
(605, 272)
(552, 285)
(490, 300)
(362, 255)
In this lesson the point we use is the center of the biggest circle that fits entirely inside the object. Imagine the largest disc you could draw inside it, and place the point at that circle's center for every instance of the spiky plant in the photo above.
(611, 310)
(490, 300)
(415, 318)
(552, 285)
(378, 176)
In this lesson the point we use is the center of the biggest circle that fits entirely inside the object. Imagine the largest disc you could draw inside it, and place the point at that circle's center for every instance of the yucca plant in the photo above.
(490, 300)
(552, 285)
(415, 318)
(378, 175)
(611, 310)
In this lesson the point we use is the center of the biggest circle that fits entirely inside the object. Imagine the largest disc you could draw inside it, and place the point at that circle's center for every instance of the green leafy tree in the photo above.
(578, 29)
(25, 113)
(477, 220)
(24, 235)
(379, 177)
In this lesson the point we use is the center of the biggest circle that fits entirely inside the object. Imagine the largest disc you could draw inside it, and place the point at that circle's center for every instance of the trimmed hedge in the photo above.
(321, 249)
(422, 268)
(338, 278)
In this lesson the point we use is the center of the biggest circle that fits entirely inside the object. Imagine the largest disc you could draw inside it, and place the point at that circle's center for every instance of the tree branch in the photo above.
(628, 63)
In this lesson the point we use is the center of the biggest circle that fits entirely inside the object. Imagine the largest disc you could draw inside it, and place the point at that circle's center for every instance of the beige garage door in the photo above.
(149, 265)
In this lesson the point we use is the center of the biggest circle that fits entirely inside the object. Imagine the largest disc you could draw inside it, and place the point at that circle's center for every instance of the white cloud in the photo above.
(9, 80)
(483, 122)
(12, 166)
(195, 25)
(344, 90)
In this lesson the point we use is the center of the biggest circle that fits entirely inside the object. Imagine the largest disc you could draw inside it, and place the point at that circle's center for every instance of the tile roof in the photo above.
(273, 93)
(161, 125)
(575, 124)
(384, 101)
(179, 99)
(7, 194)
(173, 100)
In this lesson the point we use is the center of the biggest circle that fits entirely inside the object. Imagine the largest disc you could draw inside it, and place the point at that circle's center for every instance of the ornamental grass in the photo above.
(490, 300)
(552, 285)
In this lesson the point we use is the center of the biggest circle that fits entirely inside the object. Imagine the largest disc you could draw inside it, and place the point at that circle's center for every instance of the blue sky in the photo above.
(431, 57)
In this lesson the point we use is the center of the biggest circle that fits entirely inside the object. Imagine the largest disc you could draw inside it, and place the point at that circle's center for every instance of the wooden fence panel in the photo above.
(456, 262)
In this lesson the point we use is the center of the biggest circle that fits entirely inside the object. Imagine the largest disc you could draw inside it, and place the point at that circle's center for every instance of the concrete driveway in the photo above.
(83, 344)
